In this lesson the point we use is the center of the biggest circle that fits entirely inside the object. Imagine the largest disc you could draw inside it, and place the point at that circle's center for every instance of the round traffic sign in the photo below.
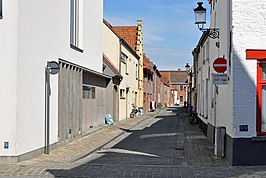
(220, 65)
(54, 67)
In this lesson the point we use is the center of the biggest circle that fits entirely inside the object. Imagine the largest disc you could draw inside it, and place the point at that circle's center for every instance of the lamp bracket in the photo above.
(212, 32)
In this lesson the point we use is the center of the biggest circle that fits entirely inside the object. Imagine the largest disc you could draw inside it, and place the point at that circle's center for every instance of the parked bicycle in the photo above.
(193, 117)
(134, 112)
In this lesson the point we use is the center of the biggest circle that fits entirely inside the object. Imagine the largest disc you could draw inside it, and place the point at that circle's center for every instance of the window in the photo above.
(181, 99)
(260, 56)
(123, 59)
(263, 66)
(181, 88)
(1, 9)
(137, 73)
(122, 94)
(76, 19)
(136, 96)
(261, 93)
(88, 92)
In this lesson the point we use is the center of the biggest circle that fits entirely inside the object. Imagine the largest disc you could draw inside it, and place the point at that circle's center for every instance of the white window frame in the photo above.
(124, 60)
(76, 24)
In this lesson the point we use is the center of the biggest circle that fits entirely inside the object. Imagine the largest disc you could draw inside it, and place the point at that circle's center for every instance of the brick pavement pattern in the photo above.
(193, 155)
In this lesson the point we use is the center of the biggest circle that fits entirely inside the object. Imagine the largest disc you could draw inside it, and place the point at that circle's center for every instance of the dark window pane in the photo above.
(263, 110)
(1, 9)
(263, 71)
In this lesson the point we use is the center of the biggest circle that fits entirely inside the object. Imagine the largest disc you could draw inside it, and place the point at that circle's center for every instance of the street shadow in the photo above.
(169, 141)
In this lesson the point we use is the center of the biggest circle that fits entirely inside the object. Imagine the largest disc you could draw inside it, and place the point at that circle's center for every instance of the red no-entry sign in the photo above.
(220, 65)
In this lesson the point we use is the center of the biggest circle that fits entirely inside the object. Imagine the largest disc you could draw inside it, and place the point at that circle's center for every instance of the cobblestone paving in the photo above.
(162, 146)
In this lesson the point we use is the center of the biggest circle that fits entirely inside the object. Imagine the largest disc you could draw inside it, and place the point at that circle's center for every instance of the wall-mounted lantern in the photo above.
(200, 20)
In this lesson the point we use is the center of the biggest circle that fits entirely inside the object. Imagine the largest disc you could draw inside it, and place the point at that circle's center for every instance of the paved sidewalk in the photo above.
(66, 157)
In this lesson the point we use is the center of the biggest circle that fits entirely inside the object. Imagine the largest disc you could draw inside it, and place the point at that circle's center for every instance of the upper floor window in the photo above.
(76, 18)
(1, 9)
(123, 59)
(181, 88)
(137, 71)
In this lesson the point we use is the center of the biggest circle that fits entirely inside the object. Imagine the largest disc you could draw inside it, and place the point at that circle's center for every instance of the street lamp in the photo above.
(187, 67)
(200, 20)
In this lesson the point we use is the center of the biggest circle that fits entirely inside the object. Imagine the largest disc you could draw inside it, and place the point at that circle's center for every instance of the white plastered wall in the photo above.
(249, 24)
(34, 33)
(222, 115)
(8, 77)
(111, 46)
(129, 81)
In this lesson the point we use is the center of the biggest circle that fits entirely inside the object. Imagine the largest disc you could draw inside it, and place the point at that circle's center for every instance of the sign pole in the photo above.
(47, 109)
(53, 68)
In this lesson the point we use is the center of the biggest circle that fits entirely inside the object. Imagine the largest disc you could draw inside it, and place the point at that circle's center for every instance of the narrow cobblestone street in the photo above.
(160, 145)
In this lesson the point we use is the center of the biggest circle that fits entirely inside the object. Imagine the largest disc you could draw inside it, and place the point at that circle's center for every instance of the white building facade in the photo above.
(126, 60)
(32, 33)
(237, 107)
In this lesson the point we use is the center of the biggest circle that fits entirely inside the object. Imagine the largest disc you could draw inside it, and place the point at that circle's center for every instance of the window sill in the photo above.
(76, 48)
(1, 17)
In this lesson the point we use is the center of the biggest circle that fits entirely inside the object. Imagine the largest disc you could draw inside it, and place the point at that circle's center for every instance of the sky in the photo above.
(169, 32)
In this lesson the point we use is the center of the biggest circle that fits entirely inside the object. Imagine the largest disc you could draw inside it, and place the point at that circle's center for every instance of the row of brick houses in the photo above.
(140, 84)
(103, 70)
(232, 110)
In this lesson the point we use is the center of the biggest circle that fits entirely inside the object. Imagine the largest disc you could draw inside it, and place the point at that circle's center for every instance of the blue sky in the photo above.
(169, 33)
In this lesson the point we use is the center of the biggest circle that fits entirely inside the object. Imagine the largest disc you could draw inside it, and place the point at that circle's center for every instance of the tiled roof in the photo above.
(128, 33)
(147, 64)
(111, 66)
(165, 76)
(146, 61)
(174, 77)
(125, 37)
(178, 77)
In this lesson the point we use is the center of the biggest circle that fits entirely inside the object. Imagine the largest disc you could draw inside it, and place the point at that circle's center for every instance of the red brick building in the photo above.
(148, 83)
(177, 80)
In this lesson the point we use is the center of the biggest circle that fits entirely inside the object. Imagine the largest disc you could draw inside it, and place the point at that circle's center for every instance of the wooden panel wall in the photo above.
(70, 101)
